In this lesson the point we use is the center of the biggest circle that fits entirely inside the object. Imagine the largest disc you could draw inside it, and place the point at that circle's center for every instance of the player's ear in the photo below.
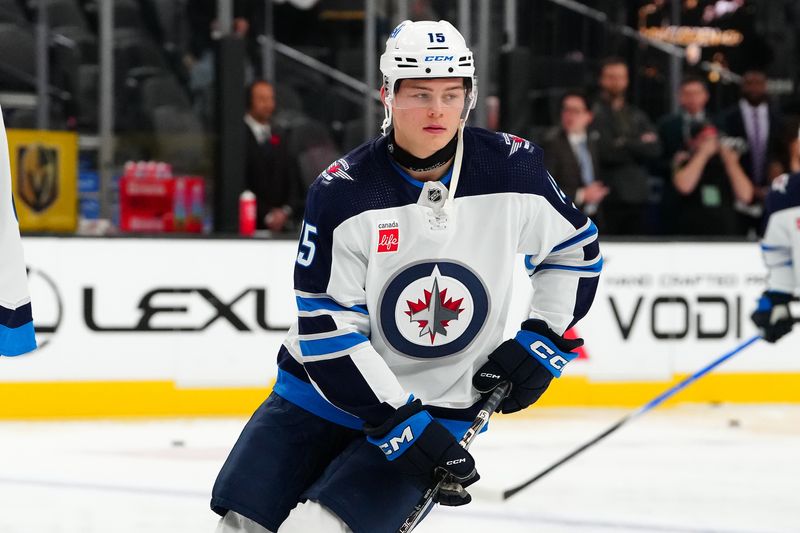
(383, 95)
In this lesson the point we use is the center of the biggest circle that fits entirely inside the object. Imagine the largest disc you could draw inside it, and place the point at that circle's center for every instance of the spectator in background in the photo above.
(754, 121)
(570, 154)
(707, 179)
(674, 130)
(270, 172)
(787, 158)
(627, 143)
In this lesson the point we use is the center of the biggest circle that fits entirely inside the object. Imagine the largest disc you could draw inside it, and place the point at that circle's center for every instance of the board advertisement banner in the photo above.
(192, 326)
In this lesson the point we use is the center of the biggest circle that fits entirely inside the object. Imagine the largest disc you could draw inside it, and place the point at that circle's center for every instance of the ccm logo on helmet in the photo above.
(438, 58)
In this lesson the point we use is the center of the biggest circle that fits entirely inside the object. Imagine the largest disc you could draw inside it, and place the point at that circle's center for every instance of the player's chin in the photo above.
(439, 137)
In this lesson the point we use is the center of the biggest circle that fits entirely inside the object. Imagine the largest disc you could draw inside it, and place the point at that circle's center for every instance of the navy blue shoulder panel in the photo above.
(501, 162)
(363, 180)
(784, 193)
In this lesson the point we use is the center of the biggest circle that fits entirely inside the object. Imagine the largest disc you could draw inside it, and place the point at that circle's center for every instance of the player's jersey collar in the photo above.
(416, 183)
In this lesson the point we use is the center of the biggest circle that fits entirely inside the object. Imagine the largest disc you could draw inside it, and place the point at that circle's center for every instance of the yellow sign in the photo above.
(44, 169)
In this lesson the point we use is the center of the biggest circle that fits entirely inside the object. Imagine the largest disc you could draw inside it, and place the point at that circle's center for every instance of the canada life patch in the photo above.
(388, 236)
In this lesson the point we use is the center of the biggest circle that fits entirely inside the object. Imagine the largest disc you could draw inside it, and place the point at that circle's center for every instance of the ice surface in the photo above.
(729, 468)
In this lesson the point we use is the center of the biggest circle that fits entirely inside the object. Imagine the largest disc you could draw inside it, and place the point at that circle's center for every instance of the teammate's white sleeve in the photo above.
(781, 249)
(16, 322)
(562, 258)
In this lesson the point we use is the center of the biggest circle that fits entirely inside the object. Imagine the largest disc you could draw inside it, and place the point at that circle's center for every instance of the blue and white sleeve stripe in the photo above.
(587, 234)
(323, 303)
(332, 344)
(578, 253)
(16, 330)
(332, 338)
(591, 268)
(564, 274)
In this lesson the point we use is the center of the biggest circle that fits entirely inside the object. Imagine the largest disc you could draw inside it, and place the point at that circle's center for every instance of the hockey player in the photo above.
(16, 322)
(403, 282)
(781, 250)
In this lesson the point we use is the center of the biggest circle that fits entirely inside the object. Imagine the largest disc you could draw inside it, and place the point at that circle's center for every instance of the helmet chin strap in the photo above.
(451, 196)
(387, 116)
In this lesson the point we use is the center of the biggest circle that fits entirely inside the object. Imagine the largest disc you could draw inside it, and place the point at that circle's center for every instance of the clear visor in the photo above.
(414, 98)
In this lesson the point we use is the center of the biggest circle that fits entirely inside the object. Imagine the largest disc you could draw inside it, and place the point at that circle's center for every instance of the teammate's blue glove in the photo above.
(419, 446)
(529, 361)
(772, 315)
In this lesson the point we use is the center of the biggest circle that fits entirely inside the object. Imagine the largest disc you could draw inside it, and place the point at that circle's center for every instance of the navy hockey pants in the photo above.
(286, 454)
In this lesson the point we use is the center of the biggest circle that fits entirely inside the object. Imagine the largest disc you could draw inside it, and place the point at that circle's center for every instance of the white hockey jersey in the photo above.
(402, 292)
(781, 242)
(16, 323)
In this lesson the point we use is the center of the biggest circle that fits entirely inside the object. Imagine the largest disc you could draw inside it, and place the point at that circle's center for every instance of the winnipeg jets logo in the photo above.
(515, 143)
(435, 313)
(432, 309)
(337, 170)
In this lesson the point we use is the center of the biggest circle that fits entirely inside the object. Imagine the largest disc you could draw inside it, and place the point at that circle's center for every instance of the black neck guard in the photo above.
(414, 163)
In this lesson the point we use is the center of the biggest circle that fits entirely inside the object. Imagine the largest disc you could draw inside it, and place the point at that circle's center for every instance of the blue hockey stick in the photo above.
(642, 410)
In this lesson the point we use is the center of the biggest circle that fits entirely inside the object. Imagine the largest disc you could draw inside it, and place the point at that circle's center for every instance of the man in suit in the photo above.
(757, 124)
(627, 145)
(270, 172)
(570, 153)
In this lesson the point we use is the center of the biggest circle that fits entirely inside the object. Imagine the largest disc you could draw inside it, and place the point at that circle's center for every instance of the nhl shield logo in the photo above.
(434, 196)
(433, 309)
(37, 176)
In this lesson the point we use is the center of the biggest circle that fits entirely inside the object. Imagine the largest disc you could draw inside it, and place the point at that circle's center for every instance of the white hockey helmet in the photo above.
(426, 49)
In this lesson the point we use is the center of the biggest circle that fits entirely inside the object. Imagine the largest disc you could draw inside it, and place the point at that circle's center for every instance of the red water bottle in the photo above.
(247, 214)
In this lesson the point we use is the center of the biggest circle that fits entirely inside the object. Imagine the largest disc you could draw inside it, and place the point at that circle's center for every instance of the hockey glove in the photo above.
(772, 315)
(421, 446)
(529, 361)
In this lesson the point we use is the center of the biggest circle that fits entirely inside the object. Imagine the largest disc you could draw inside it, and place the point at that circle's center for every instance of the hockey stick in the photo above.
(481, 419)
(652, 403)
